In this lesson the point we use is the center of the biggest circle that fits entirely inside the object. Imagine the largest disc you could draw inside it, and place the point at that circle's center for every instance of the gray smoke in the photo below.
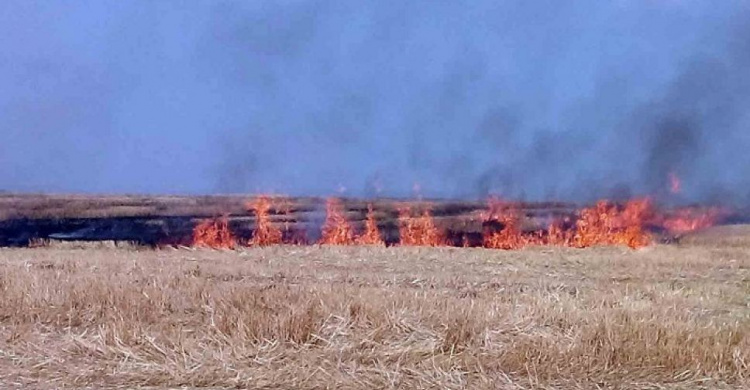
(522, 99)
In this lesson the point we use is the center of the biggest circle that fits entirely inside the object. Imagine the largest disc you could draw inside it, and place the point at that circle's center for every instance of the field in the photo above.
(170, 220)
(665, 316)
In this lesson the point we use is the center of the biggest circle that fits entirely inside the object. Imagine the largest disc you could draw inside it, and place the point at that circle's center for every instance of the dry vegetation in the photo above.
(111, 206)
(367, 317)
(37, 206)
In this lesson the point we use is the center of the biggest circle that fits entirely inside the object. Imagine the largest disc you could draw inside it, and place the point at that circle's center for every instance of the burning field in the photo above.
(493, 224)
(315, 293)
(502, 225)
(229, 222)
(399, 195)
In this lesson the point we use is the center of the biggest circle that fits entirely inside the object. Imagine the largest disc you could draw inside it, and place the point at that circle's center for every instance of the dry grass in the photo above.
(365, 317)
(36, 206)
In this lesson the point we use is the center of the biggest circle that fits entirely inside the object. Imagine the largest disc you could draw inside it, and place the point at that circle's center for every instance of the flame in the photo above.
(510, 236)
(593, 225)
(675, 184)
(558, 235)
(687, 219)
(265, 233)
(336, 229)
(371, 236)
(605, 224)
(418, 231)
(633, 221)
(214, 233)
(602, 224)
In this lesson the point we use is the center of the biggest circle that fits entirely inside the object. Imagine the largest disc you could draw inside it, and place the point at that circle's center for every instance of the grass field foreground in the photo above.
(365, 317)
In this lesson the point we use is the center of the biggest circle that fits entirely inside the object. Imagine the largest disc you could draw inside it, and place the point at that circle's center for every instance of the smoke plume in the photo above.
(522, 99)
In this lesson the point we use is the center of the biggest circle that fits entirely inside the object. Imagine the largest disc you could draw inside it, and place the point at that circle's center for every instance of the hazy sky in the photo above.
(530, 99)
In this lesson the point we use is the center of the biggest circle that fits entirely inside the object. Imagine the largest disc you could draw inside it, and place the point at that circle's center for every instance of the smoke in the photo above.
(523, 99)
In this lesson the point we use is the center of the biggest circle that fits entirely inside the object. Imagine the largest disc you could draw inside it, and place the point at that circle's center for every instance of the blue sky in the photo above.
(524, 99)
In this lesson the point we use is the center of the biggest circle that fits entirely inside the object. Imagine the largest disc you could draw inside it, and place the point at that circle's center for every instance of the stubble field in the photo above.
(365, 317)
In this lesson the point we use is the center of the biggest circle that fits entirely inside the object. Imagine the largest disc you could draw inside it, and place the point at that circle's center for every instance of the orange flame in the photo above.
(214, 233)
(675, 184)
(602, 224)
(371, 236)
(336, 229)
(632, 224)
(510, 236)
(265, 233)
(558, 235)
(605, 224)
(418, 231)
(687, 220)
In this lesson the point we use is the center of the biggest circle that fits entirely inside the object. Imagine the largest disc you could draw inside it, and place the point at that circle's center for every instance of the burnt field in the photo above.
(171, 220)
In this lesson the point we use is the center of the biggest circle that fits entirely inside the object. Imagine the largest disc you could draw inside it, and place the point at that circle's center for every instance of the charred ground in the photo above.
(171, 220)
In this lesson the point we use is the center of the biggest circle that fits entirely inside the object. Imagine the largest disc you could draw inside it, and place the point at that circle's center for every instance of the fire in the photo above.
(558, 235)
(505, 226)
(336, 229)
(265, 233)
(420, 230)
(593, 225)
(214, 233)
(633, 221)
(675, 184)
(371, 235)
(603, 224)
(606, 224)
(510, 236)
(686, 220)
